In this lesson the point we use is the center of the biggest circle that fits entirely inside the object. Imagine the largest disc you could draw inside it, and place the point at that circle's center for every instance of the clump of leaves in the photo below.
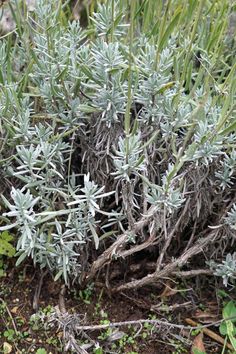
(6, 247)
(41, 351)
(226, 269)
(6, 250)
(227, 328)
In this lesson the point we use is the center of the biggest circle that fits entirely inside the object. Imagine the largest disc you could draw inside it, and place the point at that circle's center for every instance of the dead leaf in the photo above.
(198, 344)
(60, 335)
(7, 348)
(168, 291)
(14, 309)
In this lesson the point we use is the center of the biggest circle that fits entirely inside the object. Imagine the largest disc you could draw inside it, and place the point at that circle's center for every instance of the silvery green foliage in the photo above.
(55, 70)
(152, 82)
(91, 192)
(58, 249)
(170, 199)
(208, 151)
(166, 195)
(225, 175)
(231, 218)
(128, 158)
(23, 206)
(111, 91)
(3, 57)
(226, 269)
(103, 20)
(21, 121)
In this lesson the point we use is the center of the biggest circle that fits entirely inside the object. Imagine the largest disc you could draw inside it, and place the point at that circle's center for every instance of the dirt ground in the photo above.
(171, 301)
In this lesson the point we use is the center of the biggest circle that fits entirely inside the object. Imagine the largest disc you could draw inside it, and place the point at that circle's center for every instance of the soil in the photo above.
(170, 301)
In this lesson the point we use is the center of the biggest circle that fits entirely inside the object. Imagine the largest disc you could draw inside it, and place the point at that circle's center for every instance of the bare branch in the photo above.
(115, 249)
(171, 267)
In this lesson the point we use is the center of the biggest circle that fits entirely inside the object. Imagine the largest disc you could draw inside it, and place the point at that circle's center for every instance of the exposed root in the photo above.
(151, 267)
(114, 251)
(171, 267)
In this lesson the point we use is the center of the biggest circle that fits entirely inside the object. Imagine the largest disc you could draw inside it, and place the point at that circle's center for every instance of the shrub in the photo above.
(119, 136)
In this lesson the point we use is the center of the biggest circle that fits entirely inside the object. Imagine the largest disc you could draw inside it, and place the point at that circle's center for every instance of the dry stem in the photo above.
(171, 267)
(118, 245)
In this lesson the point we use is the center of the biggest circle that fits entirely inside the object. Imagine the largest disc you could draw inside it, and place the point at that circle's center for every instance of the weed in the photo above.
(148, 328)
(228, 327)
(2, 268)
(7, 250)
(98, 350)
(3, 310)
(47, 310)
(86, 294)
(38, 321)
(198, 351)
(126, 340)
(179, 348)
(41, 351)
(10, 335)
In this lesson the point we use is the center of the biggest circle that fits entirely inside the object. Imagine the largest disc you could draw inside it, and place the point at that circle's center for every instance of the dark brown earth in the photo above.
(170, 301)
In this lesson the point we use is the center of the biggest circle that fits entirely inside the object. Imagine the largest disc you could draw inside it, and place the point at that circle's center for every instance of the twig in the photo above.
(10, 315)
(84, 94)
(128, 323)
(154, 322)
(63, 318)
(193, 273)
(209, 333)
(73, 345)
(170, 237)
(38, 291)
(62, 306)
(150, 266)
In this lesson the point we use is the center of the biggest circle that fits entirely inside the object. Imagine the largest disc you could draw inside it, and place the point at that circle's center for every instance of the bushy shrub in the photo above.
(118, 134)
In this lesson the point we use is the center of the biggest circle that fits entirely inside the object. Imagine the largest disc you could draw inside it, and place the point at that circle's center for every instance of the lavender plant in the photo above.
(116, 130)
